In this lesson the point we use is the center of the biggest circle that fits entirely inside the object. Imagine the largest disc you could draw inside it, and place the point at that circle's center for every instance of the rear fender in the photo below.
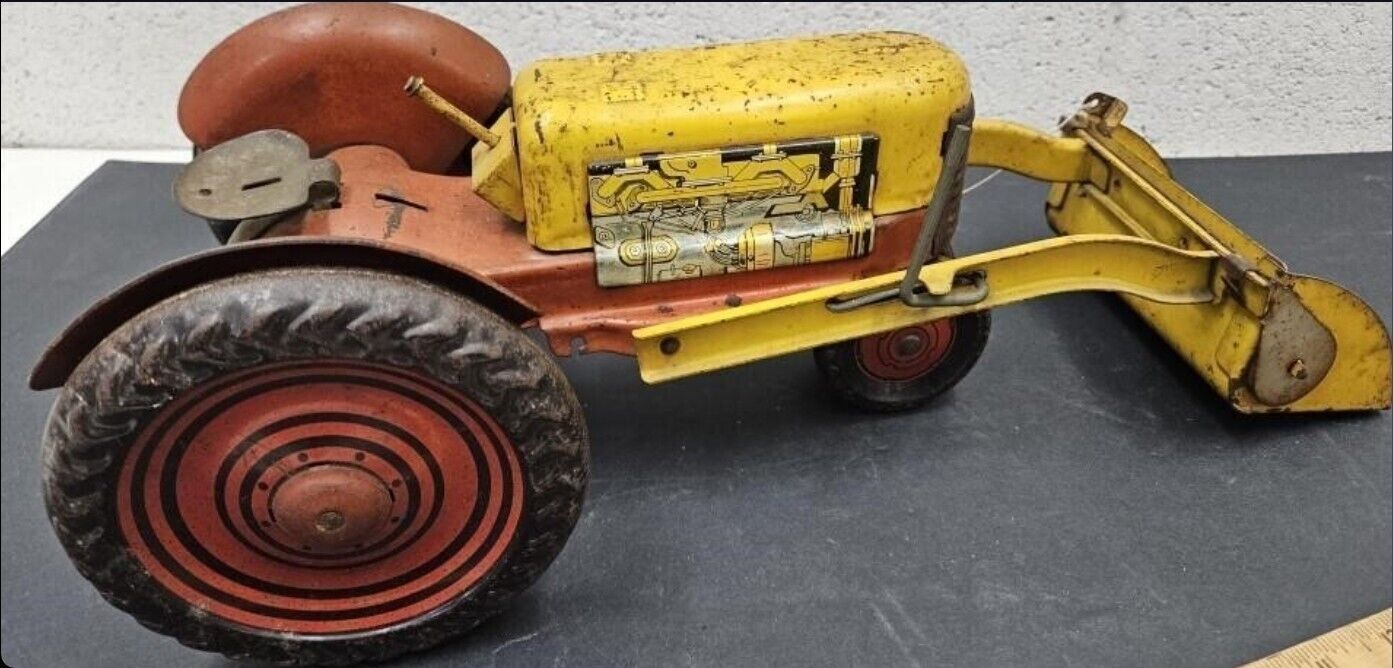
(95, 324)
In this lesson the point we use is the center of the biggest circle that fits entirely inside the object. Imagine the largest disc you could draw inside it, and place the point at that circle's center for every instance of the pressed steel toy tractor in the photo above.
(332, 440)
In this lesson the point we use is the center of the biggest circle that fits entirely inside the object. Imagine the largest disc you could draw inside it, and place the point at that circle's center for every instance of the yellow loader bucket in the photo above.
(1265, 339)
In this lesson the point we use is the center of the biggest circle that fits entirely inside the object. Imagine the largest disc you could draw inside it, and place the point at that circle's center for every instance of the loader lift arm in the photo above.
(1265, 339)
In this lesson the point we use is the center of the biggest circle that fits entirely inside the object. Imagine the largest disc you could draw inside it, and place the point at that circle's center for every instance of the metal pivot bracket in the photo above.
(966, 289)
(1294, 351)
(954, 161)
(243, 186)
(1100, 112)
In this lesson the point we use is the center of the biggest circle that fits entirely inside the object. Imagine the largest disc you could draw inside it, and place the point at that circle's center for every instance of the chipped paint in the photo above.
(610, 105)
(1125, 188)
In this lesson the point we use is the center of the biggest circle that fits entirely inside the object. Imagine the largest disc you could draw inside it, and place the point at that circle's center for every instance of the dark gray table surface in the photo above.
(1081, 499)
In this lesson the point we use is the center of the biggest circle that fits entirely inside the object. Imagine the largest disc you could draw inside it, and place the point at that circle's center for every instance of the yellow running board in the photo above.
(1265, 339)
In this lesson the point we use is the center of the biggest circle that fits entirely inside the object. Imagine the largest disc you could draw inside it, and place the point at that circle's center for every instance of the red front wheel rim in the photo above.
(906, 353)
(320, 497)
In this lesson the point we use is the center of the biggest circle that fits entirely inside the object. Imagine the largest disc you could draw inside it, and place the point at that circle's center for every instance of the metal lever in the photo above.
(416, 87)
(911, 290)
(953, 160)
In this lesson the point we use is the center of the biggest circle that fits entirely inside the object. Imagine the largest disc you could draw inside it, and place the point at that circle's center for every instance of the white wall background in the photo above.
(1211, 79)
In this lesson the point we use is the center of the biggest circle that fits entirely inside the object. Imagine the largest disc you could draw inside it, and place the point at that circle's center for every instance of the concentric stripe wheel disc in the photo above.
(321, 497)
(906, 353)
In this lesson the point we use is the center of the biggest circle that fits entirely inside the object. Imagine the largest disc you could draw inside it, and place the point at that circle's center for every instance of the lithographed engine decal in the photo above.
(666, 217)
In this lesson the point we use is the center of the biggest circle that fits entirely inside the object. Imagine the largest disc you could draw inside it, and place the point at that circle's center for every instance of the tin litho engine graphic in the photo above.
(666, 217)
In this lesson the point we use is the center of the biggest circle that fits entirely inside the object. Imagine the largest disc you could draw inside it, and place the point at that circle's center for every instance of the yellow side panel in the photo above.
(1217, 340)
(572, 112)
(1362, 376)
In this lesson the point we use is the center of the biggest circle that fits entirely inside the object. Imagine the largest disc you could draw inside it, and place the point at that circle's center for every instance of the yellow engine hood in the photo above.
(571, 112)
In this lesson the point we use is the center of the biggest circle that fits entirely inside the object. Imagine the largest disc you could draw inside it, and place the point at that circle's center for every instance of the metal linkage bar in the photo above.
(1112, 263)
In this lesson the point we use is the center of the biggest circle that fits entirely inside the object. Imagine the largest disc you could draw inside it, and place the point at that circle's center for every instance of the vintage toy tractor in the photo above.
(333, 440)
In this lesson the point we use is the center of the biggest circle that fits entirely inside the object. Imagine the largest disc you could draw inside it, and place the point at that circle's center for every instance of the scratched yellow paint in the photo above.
(1128, 227)
(1027, 151)
(571, 112)
(1130, 191)
(802, 320)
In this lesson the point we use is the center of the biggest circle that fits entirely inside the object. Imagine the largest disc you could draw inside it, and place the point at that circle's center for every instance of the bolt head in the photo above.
(909, 345)
(329, 521)
(1297, 369)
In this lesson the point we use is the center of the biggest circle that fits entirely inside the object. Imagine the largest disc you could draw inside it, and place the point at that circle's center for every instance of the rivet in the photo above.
(1297, 369)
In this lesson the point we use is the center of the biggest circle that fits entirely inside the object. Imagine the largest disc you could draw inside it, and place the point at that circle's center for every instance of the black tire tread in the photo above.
(295, 314)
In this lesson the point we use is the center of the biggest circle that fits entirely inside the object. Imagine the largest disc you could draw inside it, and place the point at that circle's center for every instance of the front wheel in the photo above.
(315, 466)
(904, 368)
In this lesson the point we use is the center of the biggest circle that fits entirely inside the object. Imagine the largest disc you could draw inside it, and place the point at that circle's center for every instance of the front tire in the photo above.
(315, 466)
(906, 368)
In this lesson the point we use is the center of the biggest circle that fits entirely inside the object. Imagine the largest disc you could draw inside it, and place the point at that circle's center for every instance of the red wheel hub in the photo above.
(320, 497)
(331, 508)
(906, 353)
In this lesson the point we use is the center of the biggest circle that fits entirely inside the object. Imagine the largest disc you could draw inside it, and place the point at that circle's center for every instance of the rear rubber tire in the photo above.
(868, 374)
(524, 424)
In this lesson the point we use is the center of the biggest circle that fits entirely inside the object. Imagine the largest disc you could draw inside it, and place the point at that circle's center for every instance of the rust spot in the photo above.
(393, 222)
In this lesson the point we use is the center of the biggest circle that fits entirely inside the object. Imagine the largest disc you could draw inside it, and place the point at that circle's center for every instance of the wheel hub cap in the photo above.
(906, 353)
(908, 345)
(331, 509)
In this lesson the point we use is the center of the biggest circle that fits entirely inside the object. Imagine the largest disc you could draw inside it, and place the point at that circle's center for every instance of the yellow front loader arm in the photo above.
(1266, 339)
